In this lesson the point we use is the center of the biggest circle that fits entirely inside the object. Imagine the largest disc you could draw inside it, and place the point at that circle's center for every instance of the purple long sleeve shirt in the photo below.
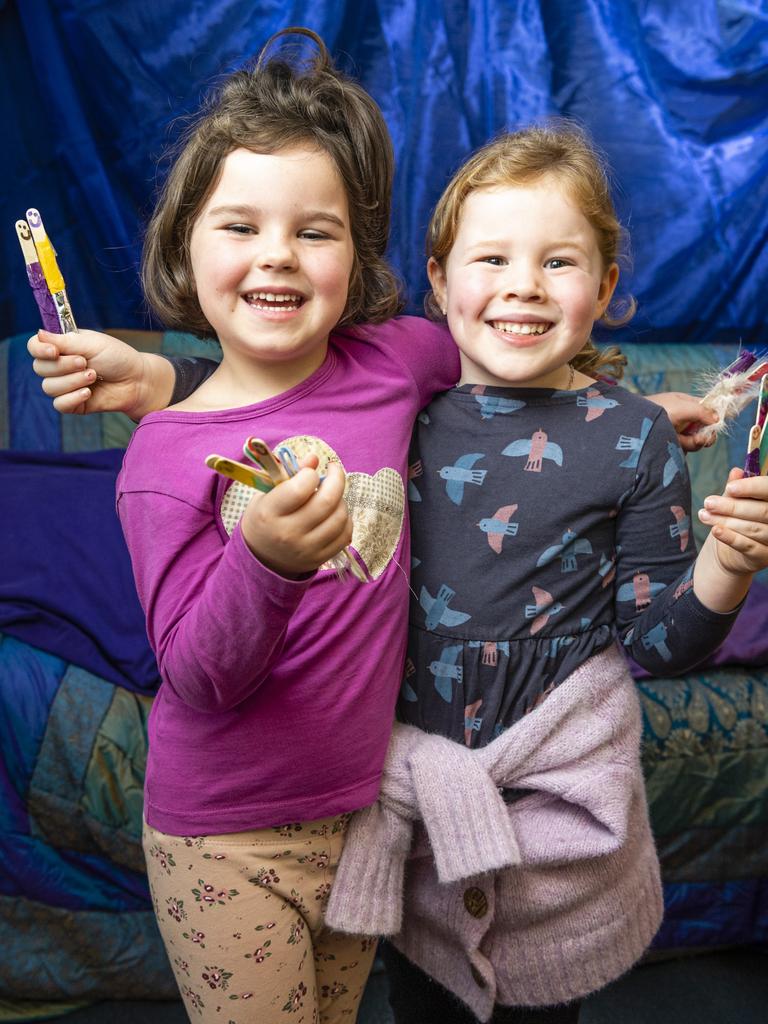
(277, 695)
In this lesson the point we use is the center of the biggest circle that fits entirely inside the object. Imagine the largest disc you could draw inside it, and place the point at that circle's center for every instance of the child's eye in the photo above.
(495, 261)
(557, 262)
(313, 235)
(240, 229)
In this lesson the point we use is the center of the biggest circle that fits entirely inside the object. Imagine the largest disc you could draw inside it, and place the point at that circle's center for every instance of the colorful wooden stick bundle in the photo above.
(268, 470)
(44, 275)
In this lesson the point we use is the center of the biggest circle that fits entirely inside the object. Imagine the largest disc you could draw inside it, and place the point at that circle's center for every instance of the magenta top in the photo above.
(277, 696)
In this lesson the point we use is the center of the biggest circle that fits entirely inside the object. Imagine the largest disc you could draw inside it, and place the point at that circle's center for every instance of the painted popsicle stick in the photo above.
(345, 559)
(752, 463)
(36, 279)
(51, 272)
(233, 470)
(258, 451)
(762, 403)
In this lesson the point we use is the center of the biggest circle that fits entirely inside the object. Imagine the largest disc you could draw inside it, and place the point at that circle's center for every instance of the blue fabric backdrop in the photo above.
(674, 91)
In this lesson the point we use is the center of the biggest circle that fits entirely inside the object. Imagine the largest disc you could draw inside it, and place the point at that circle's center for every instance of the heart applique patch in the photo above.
(376, 504)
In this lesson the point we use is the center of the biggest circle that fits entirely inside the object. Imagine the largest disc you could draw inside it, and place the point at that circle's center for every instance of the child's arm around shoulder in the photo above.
(86, 371)
(684, 410)
(423, 348)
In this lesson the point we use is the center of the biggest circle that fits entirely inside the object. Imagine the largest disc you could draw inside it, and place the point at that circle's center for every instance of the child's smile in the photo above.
(522, 285)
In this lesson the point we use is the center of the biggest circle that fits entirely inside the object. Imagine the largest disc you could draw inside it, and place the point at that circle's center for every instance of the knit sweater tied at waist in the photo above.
(565, 879)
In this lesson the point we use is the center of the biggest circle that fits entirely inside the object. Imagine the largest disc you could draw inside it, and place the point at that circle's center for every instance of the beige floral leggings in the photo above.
(241, 916)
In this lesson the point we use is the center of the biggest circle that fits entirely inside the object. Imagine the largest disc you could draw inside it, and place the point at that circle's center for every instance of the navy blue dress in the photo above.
(545, 524)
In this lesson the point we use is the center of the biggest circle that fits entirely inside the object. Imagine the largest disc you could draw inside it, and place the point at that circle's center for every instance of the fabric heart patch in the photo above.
(376, 504)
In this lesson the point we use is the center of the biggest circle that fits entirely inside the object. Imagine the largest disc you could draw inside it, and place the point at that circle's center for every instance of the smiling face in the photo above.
(271, 253)
(522, 285)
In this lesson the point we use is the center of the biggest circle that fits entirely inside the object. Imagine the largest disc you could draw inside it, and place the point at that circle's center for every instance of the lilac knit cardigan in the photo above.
(534, 903)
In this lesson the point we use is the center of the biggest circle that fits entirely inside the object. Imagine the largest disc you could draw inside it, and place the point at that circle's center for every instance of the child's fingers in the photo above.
(39, 348)
(753, 551)
(58, 387)
(73, 402)
(58, 367)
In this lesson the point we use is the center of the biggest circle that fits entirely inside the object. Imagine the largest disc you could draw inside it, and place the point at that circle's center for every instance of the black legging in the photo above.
(416, 998)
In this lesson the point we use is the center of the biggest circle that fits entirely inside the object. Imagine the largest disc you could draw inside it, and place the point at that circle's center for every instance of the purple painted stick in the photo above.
(43, 298)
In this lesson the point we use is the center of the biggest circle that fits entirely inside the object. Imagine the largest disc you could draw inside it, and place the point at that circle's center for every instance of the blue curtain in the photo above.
(674, 91)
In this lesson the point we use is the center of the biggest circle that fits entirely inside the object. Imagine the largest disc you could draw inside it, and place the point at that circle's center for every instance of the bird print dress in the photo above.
(545, 525)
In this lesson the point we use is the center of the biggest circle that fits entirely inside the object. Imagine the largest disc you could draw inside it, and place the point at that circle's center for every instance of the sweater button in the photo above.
(477, 977)
(476, 902)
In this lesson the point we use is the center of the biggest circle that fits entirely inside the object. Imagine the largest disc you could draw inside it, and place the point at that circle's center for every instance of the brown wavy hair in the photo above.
(274, 103)
(562, 150)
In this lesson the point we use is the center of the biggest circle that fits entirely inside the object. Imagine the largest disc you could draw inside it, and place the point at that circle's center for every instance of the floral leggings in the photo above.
(241, 916)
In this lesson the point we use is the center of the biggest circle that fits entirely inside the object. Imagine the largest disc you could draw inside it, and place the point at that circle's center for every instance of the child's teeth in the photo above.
(277, 301)
(513, 328)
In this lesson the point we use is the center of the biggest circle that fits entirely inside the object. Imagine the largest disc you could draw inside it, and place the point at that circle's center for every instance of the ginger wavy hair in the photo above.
(560, 150)
(274, 103)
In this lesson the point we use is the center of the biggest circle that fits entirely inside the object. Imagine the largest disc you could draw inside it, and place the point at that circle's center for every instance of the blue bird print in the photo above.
(491, 650)
(682, 525)
(607, 569)
(446, 670)
(556, 644)
(675, 463)
(461, 473)
(641, 590)
(633, 445)
(472, 722)
(656, 639)
(595, 404)
(568, 551)
(537, 448)
(494, 405)
(498, 526)
(544, 608)
(684, 585)
(437, 608)
(408, 693)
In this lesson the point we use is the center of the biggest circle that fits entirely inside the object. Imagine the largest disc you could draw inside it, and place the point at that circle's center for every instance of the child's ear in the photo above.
(607, 288)
(436, 275)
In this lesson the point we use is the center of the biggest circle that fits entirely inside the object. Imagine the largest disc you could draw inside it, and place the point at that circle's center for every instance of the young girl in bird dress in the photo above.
(550, 525)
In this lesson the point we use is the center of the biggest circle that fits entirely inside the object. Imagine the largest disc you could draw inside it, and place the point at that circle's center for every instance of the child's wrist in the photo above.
(154, 382)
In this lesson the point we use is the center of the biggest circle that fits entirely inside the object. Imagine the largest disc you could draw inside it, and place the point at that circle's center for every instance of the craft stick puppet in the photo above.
(44, 276)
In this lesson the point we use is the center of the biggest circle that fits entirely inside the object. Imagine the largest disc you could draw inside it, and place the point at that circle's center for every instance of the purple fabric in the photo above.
(278, 695)
(43, 298)
(747, 643)
(66, 585)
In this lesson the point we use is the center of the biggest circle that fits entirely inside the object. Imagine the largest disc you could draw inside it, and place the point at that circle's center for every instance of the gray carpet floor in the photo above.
(717, 988)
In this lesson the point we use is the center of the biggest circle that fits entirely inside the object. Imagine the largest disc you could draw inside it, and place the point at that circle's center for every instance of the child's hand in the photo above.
(685, 411)
(299, 525)
(86, 371)
(739, 521)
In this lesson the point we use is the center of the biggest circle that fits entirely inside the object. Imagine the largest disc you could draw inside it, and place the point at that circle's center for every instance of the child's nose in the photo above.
(523, 281)
(276, 253)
